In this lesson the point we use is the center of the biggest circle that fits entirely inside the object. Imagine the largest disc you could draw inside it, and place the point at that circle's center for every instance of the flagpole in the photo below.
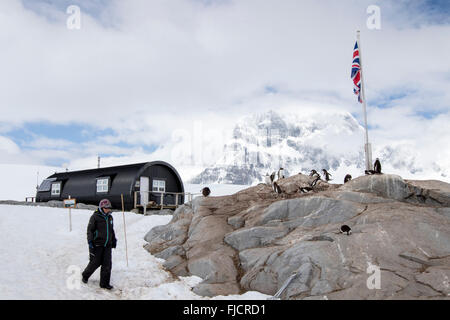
(367, 146)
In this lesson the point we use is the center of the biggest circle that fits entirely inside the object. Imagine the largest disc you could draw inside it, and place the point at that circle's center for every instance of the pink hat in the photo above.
(105, 203)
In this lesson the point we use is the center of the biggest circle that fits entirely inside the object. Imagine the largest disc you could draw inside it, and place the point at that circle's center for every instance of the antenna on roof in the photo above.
(98, 162)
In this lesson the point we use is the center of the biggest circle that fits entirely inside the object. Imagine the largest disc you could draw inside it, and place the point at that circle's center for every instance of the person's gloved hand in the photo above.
(114, 243)
(91, 250)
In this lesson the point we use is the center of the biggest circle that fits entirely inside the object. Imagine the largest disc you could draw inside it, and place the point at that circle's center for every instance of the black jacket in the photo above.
(100, 230)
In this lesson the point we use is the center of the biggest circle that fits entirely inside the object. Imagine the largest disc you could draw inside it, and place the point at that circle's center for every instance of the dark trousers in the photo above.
(99, 256)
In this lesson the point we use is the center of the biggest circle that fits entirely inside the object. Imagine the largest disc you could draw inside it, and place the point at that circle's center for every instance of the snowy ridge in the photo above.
(262, 143)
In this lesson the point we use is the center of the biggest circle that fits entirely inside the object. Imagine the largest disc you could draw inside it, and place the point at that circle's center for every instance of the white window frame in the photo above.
(56, 191)
(159, 185)
(102, 185)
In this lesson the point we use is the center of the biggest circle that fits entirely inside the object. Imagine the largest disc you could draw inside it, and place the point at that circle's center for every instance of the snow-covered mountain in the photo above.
(262, 143)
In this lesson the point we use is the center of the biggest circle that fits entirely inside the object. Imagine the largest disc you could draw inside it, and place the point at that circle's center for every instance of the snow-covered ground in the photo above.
(41, 259)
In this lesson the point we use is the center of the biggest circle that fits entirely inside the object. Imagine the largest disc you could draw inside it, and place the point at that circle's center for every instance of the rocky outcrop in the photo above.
(256, 239)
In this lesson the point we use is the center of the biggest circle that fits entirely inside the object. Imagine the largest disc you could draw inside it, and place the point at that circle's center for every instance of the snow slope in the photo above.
(41, 259)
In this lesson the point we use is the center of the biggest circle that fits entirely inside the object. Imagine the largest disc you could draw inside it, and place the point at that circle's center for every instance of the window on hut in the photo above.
(159, 185)
(56, 188)
(102, 185)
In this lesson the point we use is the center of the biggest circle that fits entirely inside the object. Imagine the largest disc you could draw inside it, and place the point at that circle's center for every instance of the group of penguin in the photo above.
(280, 175)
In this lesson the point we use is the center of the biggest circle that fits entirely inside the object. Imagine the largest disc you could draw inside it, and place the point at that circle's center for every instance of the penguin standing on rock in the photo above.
(314, 173)
(317, 178)
(272, 177)
(377, 166)
(281, 173)
(327, 175)
(347, 178)
(267, 179)
(346, 228)
(277, 188)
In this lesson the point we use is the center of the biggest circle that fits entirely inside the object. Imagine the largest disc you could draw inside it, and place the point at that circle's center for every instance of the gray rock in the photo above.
(261, 279)
(254, 237)
(162, 212)
(255, 240)
(182, 212)
(172, 262)
(254, 258)
(322, 287)
(437, 278)
(321, 238)
(214, 268)
(166, 253)
(360, 197)
(311, 211)
(161, 237)
(216, 289)
(384, 185)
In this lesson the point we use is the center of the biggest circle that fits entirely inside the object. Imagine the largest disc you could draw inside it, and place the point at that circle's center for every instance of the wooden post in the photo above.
(135, 200)
(176, 200)
(162, 200)
(70, 218)
(124, 228)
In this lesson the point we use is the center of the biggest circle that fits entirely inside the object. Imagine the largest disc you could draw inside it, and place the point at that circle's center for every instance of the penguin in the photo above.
(327, 175)
(280, 173)
(315, 181)
(272, 177)
(277, 188)
(346, 228)
(377, 166)
(206, 191)
(313, 173)
(347, 178)
(305, 189)
(267, 179)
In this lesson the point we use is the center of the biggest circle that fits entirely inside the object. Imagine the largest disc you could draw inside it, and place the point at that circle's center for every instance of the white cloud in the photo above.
(151, 69)
(8, 146)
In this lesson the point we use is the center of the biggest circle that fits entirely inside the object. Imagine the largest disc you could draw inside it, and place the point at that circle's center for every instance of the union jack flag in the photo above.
(356, 73)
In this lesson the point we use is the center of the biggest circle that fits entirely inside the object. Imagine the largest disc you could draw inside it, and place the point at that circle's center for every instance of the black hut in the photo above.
(141, 183)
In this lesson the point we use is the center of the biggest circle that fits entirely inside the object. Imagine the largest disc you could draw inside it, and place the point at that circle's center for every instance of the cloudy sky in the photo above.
(138, 75)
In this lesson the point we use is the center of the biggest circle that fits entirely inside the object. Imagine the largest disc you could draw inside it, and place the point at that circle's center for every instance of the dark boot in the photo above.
(108, 287)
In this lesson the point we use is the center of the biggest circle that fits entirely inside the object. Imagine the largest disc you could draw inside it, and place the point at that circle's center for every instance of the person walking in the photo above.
(101, 239)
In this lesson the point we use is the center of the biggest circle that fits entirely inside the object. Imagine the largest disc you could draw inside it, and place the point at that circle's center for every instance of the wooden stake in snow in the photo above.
(70, 218)
(124, 228)
(70, 203)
